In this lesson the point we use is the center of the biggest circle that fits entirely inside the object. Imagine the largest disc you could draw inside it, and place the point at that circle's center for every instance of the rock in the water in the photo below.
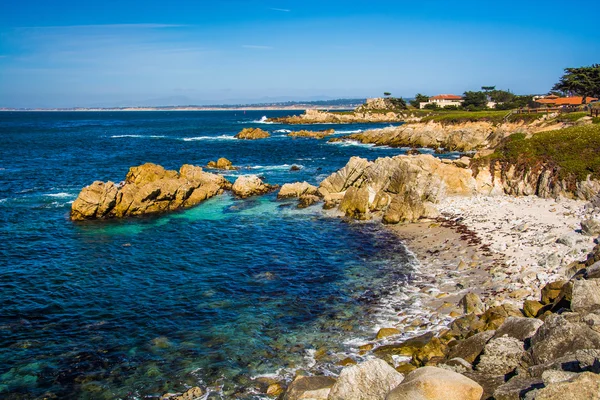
(583, 386)
(590, 227)
(312, 134)
(585, 295)
(517, 388)
(252, 134)
(194, 393)
(147, 189)
(471, 303)
(469, 349)
(372, 379)
(501, 356)
(221, 163)
(385, 332)
(558, 337)
(309, 387)
(307, 200)
(355, 203)
(432, 383)
(519, 328)
(250, 185)
(297, 189)
(406, 348)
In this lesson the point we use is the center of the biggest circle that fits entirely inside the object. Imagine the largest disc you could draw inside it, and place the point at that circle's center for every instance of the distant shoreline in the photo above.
(241, 108)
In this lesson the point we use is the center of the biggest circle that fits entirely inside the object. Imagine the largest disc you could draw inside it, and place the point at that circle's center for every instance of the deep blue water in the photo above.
(210, 296)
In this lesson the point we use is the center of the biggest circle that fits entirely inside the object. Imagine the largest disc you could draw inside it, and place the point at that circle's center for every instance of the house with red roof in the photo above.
(443, 100)
(564, 101)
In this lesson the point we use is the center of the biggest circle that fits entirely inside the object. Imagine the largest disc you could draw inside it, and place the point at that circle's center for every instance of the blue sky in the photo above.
(64, 53)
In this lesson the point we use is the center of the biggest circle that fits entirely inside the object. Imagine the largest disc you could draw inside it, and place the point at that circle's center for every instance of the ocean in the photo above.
(213, 296)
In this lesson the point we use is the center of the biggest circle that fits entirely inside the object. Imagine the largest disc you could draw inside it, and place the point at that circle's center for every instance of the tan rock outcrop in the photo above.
(147, 189)
(322, 117)
(312, 134)
(252, 134)
(371, 379)
(297, 189)
(221, 163)
(401, 188)
(251, 185)
(431, 383)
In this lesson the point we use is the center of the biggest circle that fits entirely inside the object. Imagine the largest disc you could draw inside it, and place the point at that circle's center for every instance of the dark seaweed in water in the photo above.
(213, 295)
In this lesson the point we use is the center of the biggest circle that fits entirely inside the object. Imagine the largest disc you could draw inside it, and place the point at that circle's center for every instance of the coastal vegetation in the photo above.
(575, 151)
(581, 81)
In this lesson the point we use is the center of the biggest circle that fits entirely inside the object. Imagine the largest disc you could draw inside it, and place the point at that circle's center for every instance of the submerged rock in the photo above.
(147, 189)
(252, 134)
(372, 379)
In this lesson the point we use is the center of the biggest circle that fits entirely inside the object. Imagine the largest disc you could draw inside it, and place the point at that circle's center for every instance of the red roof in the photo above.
(566, 101)
(446, 97)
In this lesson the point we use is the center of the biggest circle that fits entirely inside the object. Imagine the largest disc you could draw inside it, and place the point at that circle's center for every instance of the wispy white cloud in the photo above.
(280, 9)
(253, 46)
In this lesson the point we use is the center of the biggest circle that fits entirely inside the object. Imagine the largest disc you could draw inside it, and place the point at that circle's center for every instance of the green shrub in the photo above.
(575, 150)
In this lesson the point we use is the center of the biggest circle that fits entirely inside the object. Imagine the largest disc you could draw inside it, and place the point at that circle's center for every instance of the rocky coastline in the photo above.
(507, 286)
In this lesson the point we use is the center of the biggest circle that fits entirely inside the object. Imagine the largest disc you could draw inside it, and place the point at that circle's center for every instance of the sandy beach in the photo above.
(503, 248)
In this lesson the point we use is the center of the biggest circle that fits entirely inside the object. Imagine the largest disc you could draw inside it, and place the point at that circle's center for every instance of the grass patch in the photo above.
(494, 117)
(571, 117)
(575, 151)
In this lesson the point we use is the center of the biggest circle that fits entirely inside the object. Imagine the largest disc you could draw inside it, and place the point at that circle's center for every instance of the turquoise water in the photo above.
(211, 296)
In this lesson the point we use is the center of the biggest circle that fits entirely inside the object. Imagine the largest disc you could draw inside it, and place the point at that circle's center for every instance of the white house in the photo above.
(443, 100)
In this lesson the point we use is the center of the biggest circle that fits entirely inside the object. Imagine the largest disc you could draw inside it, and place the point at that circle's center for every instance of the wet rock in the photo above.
(469, 349)
(590, 227)
(585, 295)
(432, 383)
(519, 328)
(252, 134)
(275, 389)
(558, 337)
(432, 353)
(309, 387)
(385, 332)
(501, 356)
(251, 185)
(372, 379)
(307, 200)
(471, 303)
(406, 348)
(466, 325)
(194, 393)
(221, 163)
(582, 386)
(94, 201)
(495, 316)
(517, 388)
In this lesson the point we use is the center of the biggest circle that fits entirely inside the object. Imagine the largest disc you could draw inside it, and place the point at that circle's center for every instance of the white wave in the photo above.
(221, 137)
(282, 131)
(3, 200)
(61, 195)
(349, 143)
(350, 131)
(138, 136)
(263, 120)
(275, 167)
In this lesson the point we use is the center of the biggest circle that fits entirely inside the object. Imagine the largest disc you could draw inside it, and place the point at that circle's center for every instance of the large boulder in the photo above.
(250, 185)
(519, 328)
(297, 189)
(252, 134)
(585, 295)
(355, 203)
(558, 337)
(309, 387)
(501, 356)
(517, 388)
(469, 349)
(432, 383)
(147, 189)
(370, 380)
(582, 386)
(577, 361)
